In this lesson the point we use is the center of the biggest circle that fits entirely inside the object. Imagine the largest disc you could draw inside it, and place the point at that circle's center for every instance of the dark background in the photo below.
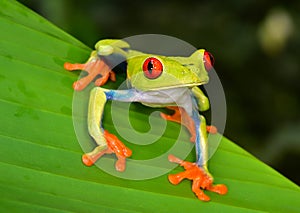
(255, 44)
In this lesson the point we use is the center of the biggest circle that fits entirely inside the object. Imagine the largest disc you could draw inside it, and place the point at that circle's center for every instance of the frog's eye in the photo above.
(152, 68)
(208, 60)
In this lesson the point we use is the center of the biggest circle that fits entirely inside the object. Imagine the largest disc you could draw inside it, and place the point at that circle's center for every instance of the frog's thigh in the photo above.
(95, 112)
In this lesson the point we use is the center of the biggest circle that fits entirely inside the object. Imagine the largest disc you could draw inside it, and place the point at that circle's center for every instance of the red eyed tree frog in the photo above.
(155, 81)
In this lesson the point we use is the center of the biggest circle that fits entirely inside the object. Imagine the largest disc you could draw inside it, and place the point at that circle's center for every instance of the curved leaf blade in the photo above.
(40, 158)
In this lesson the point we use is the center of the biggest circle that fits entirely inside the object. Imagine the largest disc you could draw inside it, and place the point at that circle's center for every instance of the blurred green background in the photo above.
(256, 45)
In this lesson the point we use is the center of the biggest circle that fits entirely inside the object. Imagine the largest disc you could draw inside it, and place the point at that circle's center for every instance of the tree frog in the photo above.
(155, 81)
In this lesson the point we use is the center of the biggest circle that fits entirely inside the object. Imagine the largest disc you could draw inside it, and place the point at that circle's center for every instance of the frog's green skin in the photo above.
(179, 74)
(175, 85)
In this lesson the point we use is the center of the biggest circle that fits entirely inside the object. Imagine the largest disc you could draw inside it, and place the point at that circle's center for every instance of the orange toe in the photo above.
(212, 129)
(219, 188)
(174, 179)
(70, 67)
(121, 164)
(87, 160)
(203, 197)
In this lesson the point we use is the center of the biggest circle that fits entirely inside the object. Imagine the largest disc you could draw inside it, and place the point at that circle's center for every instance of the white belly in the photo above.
(181, 97)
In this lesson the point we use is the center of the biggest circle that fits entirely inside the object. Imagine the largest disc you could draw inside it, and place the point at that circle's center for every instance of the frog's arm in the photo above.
(96, 67)
(202, 100)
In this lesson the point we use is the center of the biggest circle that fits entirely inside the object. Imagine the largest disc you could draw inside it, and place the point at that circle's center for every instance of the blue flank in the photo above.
(195, 117)
(121, 95)
(109, 94)
(197, 142)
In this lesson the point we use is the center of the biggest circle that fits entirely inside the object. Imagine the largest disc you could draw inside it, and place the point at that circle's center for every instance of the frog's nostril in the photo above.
(208, 60)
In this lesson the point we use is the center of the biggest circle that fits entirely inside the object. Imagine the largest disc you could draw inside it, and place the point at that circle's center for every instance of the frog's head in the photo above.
(152, 72)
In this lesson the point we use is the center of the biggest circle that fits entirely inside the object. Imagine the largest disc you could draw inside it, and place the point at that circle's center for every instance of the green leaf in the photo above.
(41, 167)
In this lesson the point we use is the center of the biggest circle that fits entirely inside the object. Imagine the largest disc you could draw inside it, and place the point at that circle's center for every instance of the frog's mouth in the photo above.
(190, 85)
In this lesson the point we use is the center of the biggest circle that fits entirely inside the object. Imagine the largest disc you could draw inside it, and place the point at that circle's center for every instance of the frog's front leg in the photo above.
(96, 68)
(107, 142)
(198, 171)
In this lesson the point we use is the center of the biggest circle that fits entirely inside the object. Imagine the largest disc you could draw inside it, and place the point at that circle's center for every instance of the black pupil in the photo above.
(150, 66)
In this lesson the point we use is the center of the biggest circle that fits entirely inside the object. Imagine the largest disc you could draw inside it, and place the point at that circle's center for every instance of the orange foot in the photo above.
(94, 68)
(201, 180)
(181, 116)
(114, 145)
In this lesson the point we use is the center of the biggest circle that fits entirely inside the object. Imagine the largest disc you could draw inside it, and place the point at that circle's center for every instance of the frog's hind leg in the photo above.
(107, 142)
(198, 171)
(200, 177)
(180, 116)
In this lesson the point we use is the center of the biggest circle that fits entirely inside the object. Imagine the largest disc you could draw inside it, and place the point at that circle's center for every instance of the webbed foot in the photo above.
(95, 68)
(114, 145)
(180, 116)
(202, 180)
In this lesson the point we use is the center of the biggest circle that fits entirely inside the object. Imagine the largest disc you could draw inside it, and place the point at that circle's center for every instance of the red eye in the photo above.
(152, 68)
(208, 60)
